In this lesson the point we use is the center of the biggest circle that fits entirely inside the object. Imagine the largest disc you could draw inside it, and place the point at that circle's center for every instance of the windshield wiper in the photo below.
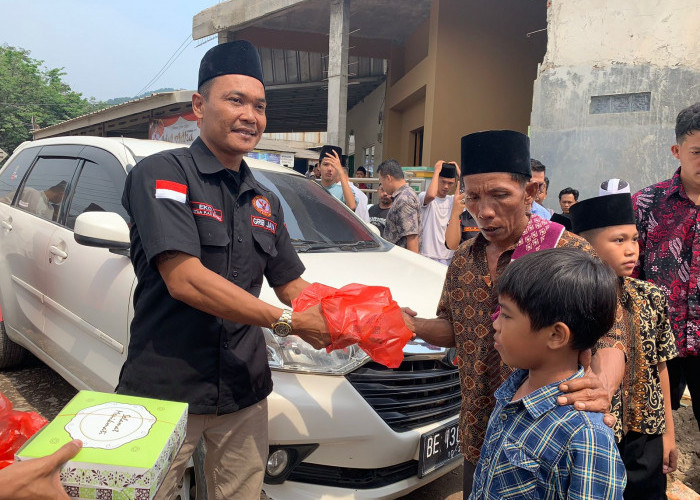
(310, 245)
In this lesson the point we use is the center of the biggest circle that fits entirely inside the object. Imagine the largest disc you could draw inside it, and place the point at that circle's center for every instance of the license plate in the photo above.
(438, 447)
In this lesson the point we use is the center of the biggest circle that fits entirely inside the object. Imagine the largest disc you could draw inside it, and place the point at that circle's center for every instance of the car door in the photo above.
(16, 318)
(88, 288)
(27, 227)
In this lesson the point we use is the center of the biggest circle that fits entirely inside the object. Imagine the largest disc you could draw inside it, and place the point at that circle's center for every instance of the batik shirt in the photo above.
(669, 255)
(468, 300)
(639, 406)
(536, 448)
(404, 217)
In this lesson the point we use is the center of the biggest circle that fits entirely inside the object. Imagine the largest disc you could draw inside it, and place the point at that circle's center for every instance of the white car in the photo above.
(341, 426)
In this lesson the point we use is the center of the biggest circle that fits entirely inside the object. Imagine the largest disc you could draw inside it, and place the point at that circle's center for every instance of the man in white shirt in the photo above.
(436, 206)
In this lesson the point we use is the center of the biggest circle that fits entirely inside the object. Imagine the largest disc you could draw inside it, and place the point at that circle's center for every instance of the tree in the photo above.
(31, 95)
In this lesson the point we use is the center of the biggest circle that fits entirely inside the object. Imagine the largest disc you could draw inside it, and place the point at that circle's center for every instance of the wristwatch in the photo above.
(283, 326)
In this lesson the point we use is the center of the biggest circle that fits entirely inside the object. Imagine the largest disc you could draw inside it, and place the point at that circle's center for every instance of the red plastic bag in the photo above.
(15, 428)
(363, 315)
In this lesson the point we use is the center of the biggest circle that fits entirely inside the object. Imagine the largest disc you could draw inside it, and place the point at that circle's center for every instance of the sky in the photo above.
(109, 48)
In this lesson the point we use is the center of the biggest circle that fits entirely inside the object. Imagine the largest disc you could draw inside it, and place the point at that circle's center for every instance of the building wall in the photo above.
(615, 75)
(485, 69)
(478, 74)
(365, 120)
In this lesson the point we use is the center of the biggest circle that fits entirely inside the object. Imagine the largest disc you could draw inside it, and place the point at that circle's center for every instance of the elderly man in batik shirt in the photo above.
(498, 191)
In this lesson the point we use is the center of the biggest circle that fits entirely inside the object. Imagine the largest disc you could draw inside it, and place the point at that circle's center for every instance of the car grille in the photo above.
(417, 393)
(345, 477)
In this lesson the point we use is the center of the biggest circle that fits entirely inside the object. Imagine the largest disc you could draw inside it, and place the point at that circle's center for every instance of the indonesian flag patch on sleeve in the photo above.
(171, 190)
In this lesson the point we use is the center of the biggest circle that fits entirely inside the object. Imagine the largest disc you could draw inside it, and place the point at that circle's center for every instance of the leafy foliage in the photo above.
(32, 95)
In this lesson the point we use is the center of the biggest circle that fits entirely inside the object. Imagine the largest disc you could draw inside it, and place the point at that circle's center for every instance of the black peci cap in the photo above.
(602, 211)
(449, 171)
(232, 58)
(496, 151)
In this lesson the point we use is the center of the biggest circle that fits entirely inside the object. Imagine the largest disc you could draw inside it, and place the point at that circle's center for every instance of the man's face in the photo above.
(232, 117)
(688, 152)
(518, 344)
(387, 184)
(444, 186)
(538, 177)
(498, 205)
(565, 202)
(328, 172)
(541, 194)
(317, 171)
(617, 245)
(384, 197)
(360, 174)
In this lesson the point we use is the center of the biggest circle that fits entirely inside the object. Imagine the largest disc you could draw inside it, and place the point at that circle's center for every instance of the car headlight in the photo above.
(291, 353)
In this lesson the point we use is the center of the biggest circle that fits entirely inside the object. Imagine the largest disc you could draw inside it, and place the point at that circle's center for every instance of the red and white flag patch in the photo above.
(171, 190)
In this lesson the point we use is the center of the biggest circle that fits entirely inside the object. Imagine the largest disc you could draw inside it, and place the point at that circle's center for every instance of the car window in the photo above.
(45, 188)
(311, 214)
(13, 174)
(98, 188)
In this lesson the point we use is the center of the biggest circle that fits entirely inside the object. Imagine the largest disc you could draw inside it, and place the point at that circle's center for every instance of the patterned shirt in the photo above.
(669, 255)
(639, 406)
(403, 218)
(468, 300)
(535, 448)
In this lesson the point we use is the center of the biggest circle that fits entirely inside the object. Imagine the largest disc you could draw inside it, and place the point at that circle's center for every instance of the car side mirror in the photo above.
(103, 230)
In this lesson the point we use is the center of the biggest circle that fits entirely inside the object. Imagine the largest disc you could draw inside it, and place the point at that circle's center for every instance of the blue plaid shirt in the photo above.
(535, 448)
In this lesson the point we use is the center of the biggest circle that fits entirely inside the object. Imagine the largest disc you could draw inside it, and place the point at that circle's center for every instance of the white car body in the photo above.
(71, 305)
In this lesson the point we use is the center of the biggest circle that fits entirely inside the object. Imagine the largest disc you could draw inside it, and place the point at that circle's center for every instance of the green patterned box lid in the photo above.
(128, 443)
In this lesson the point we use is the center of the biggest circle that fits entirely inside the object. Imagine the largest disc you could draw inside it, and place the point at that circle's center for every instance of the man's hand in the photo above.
(458, 205)
(408, 315)
(311, 326)
(670, 453)
(335, 161)
(38, 478)
(589, 392)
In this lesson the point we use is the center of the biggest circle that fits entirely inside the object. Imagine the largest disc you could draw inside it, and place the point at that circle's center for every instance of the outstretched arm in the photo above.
(195, 285)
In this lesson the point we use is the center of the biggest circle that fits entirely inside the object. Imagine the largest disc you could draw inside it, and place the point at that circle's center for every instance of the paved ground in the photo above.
(35, 387)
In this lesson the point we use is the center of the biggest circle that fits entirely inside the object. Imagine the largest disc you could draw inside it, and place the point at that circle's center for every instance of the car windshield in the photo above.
(314, 219)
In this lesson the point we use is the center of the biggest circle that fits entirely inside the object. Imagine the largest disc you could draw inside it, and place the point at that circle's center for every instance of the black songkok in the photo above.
(329, 149)
(602, 211)
(562, 219)
(232, 58)
(449, 171)
(496, 151)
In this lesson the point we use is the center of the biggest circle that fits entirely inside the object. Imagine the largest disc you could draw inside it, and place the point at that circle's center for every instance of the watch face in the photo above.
(282, 329)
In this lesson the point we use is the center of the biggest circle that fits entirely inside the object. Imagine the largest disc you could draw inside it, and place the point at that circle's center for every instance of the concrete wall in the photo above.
(643, 57)
(478, 74)
(365, 119)
(485, 69)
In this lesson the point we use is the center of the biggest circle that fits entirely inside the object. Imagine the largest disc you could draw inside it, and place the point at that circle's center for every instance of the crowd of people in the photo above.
(572, 346)
(650, 243)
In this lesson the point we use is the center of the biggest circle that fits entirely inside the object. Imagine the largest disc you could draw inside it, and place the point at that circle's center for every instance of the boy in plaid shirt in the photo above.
(553, 304)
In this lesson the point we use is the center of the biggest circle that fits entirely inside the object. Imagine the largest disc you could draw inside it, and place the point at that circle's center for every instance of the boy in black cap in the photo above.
(644, 428)
(204, 233)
